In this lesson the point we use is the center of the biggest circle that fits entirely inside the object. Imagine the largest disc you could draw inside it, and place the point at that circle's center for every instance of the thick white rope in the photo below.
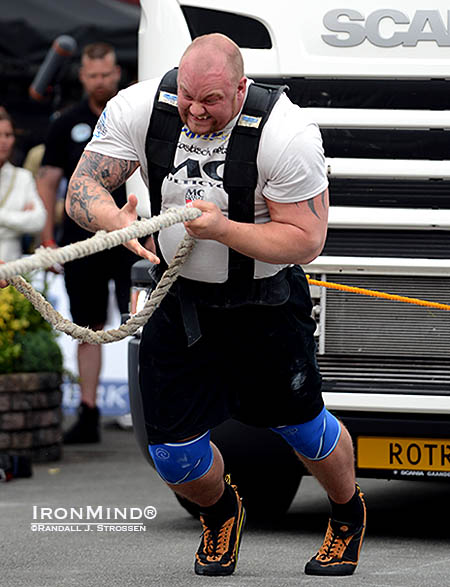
(46, 257)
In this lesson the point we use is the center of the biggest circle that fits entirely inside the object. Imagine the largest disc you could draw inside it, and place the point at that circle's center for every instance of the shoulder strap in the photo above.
(162, 136)
(241, 172)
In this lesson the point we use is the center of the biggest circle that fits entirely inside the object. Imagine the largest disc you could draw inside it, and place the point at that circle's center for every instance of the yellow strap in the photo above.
(377, 294)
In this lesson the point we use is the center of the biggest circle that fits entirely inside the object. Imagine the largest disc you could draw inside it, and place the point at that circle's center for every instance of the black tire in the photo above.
(262, 465)
(264, 468)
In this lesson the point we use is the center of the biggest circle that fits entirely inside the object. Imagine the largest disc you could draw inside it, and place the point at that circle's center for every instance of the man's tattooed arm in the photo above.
(89, 201)
(313, 202)
(90, 204)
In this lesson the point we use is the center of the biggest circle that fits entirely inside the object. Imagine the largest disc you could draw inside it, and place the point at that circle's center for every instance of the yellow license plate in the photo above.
(425, 454)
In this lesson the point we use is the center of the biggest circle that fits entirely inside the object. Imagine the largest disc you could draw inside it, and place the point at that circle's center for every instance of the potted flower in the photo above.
(31, 366)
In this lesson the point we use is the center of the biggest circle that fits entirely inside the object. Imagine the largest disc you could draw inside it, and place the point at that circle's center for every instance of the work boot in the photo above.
(339, 553)
(219, 547)
(86, 429)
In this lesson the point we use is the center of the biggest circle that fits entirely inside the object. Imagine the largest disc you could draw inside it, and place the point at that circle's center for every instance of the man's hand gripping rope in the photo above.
(46, 257)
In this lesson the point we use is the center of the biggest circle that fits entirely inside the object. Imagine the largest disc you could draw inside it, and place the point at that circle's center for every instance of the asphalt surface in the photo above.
(407, 540)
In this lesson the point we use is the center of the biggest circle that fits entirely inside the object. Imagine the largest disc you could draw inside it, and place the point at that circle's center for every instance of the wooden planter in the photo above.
(31, 415)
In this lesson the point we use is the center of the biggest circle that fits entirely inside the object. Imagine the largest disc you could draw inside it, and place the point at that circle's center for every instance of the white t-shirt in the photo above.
(291, 168)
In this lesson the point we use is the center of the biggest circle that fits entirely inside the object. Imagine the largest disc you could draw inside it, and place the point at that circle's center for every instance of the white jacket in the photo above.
(17, 191)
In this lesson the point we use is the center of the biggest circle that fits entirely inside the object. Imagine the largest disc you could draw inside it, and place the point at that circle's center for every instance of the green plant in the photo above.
(27, 341)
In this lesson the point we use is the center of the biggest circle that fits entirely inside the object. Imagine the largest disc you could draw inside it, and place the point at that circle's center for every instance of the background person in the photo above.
(87, 280)
(253, 358)
(21, 208)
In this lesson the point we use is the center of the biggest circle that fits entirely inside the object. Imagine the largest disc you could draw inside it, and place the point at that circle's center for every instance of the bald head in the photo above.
(211, 83)
(215, 52)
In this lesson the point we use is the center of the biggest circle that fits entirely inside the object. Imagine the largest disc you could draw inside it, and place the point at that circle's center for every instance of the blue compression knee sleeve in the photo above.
(180, 462)
(315, 439)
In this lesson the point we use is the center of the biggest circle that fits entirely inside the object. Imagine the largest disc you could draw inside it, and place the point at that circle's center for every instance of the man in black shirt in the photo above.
(87, 280)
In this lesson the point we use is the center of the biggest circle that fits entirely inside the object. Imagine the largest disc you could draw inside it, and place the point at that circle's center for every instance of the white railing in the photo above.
(379, 266)
(388, 218)
(379, 119)
(388, 168)
(422, 404)
(385, 169)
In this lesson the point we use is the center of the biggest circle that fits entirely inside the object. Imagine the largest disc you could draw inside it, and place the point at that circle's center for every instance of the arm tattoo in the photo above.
(312, 207)
(79, 203)
(109, 172)
(95, 177)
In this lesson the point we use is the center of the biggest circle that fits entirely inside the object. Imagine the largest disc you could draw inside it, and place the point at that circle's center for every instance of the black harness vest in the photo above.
(240, 170)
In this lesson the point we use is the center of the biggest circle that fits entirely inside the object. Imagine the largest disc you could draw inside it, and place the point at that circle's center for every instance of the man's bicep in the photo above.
(109, 172)
(307, 214)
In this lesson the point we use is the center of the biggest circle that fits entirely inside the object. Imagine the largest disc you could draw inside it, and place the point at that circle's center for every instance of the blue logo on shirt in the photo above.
(100, 128)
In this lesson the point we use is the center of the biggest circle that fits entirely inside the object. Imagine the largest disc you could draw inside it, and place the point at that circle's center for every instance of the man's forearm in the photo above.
(89, 202)
(295, 234)
(90, 205)
(273, 242)
(47, 181)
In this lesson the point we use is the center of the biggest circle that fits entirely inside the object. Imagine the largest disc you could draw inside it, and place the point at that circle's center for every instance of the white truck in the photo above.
(377, 81)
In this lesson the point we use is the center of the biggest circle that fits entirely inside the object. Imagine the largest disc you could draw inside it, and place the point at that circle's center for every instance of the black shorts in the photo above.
(87, 284)
(253, 363)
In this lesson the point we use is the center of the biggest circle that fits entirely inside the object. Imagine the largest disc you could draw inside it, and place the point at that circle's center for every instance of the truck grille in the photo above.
(424, 244)
(411, 375)
(361, 325)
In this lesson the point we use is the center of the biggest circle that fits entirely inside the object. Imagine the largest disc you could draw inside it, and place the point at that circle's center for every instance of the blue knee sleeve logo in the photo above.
(181, 462)
(315, 439)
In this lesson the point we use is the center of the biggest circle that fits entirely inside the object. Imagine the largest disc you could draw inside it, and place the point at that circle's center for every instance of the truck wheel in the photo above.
(262, 465)
(264, 468)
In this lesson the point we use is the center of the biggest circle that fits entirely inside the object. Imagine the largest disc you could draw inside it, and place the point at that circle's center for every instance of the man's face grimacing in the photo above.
(208, 100)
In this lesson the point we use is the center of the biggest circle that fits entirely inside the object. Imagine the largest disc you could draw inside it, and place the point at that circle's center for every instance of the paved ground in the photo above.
(407, 543)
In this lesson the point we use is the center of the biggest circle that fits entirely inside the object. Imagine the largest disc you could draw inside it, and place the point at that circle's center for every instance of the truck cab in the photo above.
(376, 80)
